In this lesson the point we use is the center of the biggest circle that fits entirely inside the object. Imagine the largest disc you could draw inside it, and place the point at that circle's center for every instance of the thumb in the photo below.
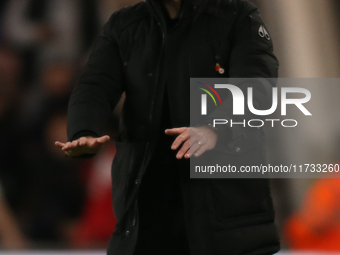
(103, 139)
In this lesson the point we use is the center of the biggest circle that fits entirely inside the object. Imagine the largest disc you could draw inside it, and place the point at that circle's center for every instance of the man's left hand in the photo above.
(195, 141)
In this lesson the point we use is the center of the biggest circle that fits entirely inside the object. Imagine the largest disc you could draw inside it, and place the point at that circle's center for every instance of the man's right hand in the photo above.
(83, 145)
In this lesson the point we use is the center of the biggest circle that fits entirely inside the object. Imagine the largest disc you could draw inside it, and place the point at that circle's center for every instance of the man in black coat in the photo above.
(149, 51)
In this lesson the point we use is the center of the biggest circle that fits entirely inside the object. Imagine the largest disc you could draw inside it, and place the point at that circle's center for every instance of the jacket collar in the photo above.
(188, 7)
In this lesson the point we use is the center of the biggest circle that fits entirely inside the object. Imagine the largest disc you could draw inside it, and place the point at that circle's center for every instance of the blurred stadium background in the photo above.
(48, 202)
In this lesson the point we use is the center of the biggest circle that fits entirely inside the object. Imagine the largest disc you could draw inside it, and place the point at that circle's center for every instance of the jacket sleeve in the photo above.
(251, 57)
(98, 89)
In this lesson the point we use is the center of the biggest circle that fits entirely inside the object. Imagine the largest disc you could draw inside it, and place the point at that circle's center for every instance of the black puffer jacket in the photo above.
(223, 216)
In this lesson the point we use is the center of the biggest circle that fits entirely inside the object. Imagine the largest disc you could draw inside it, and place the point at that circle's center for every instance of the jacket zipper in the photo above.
(150, 121)
(157, 78)
(153, 103)
(135, 214)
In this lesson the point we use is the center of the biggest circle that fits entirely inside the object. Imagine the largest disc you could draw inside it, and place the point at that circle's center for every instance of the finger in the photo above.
(193, 140)
(103, 139)
(82, 141)
(184, 150)
(194, 148)
(59, 144)
(200, 151)
(98, 142)
(187, 154)
(180, 139)
(70, 153)
(66, 147)
(74, 144)
(175, 131)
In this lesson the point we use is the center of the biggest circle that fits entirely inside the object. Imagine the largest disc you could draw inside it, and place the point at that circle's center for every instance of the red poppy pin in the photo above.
(219, 68)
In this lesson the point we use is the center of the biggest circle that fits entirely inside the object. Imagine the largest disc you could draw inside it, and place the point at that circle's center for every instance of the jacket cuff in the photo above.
(224, 135)
(83, 133)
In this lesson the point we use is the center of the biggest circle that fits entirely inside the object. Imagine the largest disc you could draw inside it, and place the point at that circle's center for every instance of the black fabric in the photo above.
(171, 23)
(160, 200)
(177, 74)
(138, 55)
(160, 197)
(82, 134)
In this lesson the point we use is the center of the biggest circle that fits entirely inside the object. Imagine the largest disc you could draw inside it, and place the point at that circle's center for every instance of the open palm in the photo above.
(83, 145)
